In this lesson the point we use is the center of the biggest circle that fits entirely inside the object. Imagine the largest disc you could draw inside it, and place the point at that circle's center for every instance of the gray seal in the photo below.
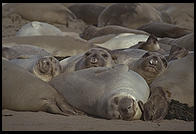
(111, 93)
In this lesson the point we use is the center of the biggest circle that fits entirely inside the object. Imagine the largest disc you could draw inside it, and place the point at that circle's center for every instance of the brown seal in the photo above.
(149, 66)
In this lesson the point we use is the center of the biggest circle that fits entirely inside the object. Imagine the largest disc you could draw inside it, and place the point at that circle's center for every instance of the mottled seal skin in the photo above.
(94, 57)
(149, 66)
(19, 51)
(164, 30)
(37, 28)
(88, 12)
(93, 31)
(131, 15)
(176, 83)
(21, 91)
(45, 67)
(111, 93)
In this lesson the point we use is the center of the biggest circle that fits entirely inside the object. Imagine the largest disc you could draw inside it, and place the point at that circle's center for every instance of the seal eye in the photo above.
(87, 54)
(146, 55)
(105, 55)
(129, 107)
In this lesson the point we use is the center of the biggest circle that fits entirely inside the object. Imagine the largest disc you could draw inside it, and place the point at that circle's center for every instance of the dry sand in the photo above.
(42, 121)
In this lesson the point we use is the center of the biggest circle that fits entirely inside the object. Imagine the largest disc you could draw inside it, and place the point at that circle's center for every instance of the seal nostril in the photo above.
(93, 60)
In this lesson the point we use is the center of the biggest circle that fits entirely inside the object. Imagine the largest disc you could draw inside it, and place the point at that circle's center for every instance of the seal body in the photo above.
(101, 91)
(21, 91)
(36, 28)
(124, 40)
(131, 15)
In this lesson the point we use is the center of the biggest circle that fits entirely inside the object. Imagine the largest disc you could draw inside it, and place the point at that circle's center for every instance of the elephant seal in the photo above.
(37, 28)
(92, 31)
(56, 45)
(21, 91)
(124, 40)
(45, 67)
(44, 12)
(131, 15)
(94, 57)
(162, 30)
(111, 93)
(176, 83)
(88, 12)
(186, 41)
(14, 52)
(149, 66)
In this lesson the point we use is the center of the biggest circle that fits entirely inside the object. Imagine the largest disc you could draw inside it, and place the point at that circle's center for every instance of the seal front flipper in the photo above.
(156, 108)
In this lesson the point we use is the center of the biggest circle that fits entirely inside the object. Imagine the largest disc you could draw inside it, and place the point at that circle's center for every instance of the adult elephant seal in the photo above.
(92, 31)
(149, 66)
(111, 93)
(88, 12)
(44, 12)
(45, 67)
(14, 52)
(164, 30)
(186, 41)
(131, 15)
(37, 28)
(21, 91)
(176, 83)
(56, 45)
(94, 57)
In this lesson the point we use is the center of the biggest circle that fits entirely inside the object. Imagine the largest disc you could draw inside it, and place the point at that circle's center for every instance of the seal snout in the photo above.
(94, 60)
(153, 61)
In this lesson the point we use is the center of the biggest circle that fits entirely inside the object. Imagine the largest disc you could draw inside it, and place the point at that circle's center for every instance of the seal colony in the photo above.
(129, 65)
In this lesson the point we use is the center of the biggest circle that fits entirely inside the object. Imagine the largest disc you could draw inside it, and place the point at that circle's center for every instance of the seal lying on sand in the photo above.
(111, 93)
(37, 28)
(94, 57)
(164, 30)
(92, 31)
(149, 66)
(176, 83)
(21, 91)
(44, 12)
(44, 68)
(131, 15)
(13, 52)
(56, 45)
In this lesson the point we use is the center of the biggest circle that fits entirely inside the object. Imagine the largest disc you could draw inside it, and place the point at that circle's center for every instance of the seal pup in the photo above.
(177, 83)
(21, 91)
(131, 15)
(149, 66)
(45, 67)
(94, 57)
(111, 93)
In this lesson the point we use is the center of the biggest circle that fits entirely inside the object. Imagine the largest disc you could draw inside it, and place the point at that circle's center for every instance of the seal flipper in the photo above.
(156, 108)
